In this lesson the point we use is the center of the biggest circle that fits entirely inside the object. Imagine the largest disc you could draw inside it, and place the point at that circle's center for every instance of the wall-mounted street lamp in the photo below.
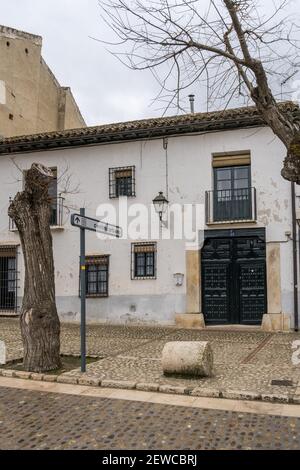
(178, 279)
(160, 203)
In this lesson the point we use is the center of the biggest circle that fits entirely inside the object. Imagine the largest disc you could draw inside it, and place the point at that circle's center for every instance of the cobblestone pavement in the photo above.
(244, 360)
(41, 420)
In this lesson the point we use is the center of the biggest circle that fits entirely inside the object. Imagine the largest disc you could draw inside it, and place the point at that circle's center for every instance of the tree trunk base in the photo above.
(40, 331)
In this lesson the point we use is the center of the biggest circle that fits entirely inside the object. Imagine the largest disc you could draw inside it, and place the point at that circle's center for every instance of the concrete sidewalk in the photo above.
(246, 362)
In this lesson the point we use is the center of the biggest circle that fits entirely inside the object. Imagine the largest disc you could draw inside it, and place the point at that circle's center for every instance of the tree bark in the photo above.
(40, 327)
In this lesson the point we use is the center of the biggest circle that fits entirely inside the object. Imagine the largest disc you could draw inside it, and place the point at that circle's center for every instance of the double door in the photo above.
(234, 280)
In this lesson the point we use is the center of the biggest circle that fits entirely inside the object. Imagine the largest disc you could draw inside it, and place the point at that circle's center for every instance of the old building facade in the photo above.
(31, 99)
(228, 162)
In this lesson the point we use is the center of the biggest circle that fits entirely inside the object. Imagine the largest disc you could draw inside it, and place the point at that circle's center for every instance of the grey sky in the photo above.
(105, 90)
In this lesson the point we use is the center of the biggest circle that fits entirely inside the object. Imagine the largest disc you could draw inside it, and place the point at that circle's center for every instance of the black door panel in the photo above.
(216, 285)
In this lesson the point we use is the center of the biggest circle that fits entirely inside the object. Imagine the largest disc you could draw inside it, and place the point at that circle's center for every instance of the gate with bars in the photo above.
(8, 279)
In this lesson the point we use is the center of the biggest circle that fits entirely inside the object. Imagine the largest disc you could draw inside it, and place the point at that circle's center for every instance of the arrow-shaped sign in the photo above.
(87, 223)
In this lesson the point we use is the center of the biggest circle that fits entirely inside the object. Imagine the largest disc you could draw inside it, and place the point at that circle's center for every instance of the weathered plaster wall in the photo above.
(190, 175)
(32, 92)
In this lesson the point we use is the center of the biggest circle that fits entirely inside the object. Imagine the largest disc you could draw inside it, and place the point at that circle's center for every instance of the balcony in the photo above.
(56, 217)
(230, 205)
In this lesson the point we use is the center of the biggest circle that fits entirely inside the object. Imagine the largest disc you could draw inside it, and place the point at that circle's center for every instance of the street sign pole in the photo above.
(87, 223)
(83, 296)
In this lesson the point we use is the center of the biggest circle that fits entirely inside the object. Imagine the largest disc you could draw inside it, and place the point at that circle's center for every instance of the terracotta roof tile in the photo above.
(145, 128)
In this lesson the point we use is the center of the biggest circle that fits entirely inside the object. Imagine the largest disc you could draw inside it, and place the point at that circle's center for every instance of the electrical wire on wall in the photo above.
(165, 146)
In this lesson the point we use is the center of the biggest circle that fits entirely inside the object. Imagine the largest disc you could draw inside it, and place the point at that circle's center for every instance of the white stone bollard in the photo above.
(2, 353)
(193, 358)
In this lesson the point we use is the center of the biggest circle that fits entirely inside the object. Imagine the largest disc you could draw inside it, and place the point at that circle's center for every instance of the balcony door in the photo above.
(232, 193)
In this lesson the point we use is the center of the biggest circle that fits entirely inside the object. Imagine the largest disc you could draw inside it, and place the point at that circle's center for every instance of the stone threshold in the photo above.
(84, 380)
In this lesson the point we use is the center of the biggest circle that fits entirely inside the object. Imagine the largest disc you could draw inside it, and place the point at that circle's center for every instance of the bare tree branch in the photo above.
(232, 46)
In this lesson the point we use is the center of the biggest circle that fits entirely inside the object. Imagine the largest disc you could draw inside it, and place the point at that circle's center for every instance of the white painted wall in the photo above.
(190, 175)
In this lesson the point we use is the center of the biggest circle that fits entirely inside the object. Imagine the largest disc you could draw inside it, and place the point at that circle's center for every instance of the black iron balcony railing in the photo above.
(56, 217)
(230, 205)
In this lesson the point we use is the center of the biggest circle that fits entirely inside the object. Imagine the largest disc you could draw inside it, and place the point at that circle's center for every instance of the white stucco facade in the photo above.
(185, 171)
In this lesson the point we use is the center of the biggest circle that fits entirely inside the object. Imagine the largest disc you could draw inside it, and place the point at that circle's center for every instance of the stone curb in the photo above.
(155, 387)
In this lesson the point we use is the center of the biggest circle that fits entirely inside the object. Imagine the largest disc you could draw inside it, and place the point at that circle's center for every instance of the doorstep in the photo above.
(234, 327)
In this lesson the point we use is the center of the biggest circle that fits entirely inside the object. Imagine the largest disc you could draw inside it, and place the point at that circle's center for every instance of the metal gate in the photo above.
(8, 279)
(234, 277)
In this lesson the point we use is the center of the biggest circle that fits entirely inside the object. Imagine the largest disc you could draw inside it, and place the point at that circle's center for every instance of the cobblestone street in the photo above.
(40, 420)
(244, 360)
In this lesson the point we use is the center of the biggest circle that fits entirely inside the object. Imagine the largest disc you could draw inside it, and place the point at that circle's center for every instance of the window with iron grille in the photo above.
(143, 260)
(56, 202)
(8, 279)
(97, 275)
(122, 181)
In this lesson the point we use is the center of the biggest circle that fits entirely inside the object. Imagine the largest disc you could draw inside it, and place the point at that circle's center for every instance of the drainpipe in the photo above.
(295, 267)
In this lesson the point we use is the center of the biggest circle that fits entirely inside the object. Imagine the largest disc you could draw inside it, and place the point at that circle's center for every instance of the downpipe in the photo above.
(295, 264)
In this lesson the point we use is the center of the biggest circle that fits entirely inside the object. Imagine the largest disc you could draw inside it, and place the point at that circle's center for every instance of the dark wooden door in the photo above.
(234, 280)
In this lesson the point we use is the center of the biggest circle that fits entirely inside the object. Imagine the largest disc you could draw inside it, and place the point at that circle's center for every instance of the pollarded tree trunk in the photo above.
(40, 327)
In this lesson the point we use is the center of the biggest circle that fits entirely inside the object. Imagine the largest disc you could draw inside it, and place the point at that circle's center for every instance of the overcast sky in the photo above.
(105, 90)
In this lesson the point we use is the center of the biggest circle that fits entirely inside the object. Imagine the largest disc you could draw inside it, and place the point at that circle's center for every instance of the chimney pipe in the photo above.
(192, 101)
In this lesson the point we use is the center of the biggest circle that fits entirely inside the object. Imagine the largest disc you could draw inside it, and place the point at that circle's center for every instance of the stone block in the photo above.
(176, 389)
(90, 381)
(190, 320)
(206, 392)
(147, 387)
(276, 322)
(8, 373)
(50, 378)
(241, 395)
(36, 376)
(191, 358)
(67, 379)
(126, 384)
(22, 374)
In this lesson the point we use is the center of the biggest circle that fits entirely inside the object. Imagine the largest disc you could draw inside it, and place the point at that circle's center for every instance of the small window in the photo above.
(8, 279)
(97, 276)
(56, 202)
(11, 116)
(143, 261)
(122, 181)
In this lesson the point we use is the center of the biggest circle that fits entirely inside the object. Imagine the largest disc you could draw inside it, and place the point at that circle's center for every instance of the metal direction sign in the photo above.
(95, 225)
(86, 223)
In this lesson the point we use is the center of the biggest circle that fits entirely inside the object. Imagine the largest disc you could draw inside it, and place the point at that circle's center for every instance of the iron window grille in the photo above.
(96, 276)
(9, 278)
(143, 260)
(122, 181)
